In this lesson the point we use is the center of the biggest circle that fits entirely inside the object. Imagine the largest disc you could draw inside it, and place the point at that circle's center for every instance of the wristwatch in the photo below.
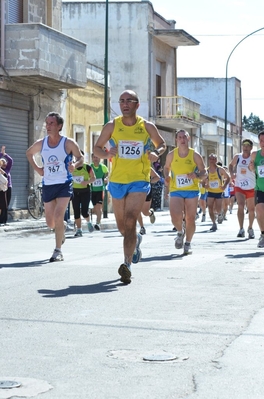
(156, 152)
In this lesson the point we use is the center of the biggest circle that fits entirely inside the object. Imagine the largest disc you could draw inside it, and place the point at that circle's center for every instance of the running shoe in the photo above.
(78, 233)
(187, 250)
(241, 233)
(152, 216)
(203, 218)
(251, 233)
(90, 227)
(125, 274)
(97, 227)
(137, 253)
(142, 230)
(56, 256)
(214, 227)
(220, 218)
(261, 241)
(179, 240)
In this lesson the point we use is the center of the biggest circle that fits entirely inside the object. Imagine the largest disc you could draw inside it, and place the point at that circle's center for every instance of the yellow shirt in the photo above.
(131, 162)
(215, 181)
(180, 167)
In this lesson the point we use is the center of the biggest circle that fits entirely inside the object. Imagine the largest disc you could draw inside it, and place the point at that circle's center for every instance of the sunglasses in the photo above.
(129, 101)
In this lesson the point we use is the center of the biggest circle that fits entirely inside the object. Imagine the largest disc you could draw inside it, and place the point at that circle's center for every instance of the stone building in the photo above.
(38, 61)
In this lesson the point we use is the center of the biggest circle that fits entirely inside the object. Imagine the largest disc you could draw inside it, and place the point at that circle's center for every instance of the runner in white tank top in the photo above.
(244, 187)
(57, 152)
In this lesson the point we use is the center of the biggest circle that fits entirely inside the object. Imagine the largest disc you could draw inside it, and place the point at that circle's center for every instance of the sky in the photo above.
(219, 25)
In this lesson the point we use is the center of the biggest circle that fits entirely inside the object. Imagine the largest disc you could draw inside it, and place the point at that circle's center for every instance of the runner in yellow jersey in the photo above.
(130, 137)
(183, 170)
(216, 183)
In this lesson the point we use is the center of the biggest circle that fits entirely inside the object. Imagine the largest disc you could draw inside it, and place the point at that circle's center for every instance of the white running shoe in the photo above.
(251, 233)
(56, 256)
(187, 250)
(203, 218)
(261, 241)
(220, 218)
(179, 240)
(241, 233)
(78, 233)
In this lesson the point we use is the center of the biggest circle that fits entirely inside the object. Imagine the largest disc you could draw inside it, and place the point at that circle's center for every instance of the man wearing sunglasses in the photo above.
(131, 140)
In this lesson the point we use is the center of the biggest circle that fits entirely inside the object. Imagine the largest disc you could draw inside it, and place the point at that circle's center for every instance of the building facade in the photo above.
(210, 93)
(142, 56)
(38, 61)
(83, 110)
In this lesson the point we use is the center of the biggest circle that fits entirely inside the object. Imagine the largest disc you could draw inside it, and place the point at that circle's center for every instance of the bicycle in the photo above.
(34, 202)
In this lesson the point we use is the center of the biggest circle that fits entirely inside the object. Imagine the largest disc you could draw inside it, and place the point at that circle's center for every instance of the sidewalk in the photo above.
(33, 224)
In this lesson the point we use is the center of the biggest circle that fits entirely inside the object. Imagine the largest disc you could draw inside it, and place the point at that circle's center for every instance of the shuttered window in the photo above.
(15, 11)
(14, 119)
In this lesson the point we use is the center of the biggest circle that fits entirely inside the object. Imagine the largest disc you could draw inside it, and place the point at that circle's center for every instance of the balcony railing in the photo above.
(176, 107)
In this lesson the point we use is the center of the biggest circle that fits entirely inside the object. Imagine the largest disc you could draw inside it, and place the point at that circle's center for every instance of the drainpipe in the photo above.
(3, 32)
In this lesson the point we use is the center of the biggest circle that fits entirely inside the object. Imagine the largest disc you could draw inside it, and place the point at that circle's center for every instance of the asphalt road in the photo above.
(186, 327)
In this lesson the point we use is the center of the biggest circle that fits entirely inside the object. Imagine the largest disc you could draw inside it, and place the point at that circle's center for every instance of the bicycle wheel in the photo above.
(35, 206)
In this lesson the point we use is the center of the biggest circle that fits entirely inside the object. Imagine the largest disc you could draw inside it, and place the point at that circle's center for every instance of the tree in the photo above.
(252, 123)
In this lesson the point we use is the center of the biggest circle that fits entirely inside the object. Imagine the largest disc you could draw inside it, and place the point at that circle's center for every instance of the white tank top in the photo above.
(245, 179)
(55, 161)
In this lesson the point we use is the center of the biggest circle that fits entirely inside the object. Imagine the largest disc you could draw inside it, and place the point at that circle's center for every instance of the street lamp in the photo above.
(225, 144)
(106, 66)
(106, 94)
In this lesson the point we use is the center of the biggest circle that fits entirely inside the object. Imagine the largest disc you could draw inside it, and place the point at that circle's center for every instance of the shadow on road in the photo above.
(251, 255)
(163, 257)
(26, 264)
(104, 286)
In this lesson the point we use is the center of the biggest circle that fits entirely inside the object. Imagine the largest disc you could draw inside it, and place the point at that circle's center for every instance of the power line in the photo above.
(253, 99)
(225, 35)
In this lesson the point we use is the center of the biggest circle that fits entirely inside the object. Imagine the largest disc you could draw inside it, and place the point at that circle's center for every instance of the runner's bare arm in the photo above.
(157, 140)
(104, 137)
(31, 152)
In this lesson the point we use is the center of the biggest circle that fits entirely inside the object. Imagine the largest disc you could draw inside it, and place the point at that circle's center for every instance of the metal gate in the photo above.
(14, 135)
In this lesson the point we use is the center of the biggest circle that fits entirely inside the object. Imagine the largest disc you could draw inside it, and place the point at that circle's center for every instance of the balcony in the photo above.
(36, 54)
(176, 112)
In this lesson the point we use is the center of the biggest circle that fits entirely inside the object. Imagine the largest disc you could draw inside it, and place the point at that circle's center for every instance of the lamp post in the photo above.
(106, 95)
(225, 143)
(106, 66)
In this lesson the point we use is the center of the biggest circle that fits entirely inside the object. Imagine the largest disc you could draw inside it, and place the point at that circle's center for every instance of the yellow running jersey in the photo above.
(215, 182)
(180, 167)
(131, 162)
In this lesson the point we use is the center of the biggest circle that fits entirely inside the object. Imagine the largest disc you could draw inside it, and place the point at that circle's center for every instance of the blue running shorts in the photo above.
(204, 196)
(53, 191)
(119, 191)
(185, 194)
(215, 195)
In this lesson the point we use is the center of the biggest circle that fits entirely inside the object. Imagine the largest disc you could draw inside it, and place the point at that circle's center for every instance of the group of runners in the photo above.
(135, 144)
